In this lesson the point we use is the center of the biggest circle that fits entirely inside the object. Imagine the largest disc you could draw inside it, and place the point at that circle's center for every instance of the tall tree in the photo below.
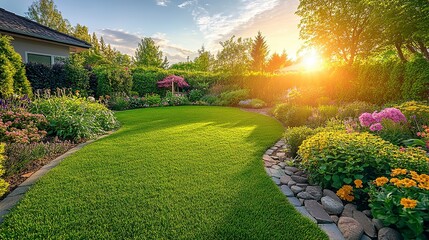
(342, 29)
(148, 54)
(204, 61)
(81, 32)
(259, 52)
(277, 62)
(235, 56)
(46, 13)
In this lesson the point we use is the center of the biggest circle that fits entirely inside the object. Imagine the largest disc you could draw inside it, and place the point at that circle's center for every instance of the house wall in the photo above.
(23, 46)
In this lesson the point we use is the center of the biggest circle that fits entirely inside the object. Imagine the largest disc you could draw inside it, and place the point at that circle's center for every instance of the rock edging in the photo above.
(322, 206)
(13, 198)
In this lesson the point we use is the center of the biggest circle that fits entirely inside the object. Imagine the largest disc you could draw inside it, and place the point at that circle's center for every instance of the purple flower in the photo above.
(390, 113)
(376, 127)
(366, 119)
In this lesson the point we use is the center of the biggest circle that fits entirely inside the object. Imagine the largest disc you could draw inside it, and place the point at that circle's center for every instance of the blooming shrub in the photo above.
(252, 103)
(19, 155)
(337, 158)
(390, 124)
(174, 100)
(402, 201)
(3, 184)
(75, 118)
(416, 112)
(22, 127)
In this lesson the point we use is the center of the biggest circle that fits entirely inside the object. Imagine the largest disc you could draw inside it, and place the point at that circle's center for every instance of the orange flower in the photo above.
(358, 183)
(380, 181)
(345, 193)
(408, 203)
(394, 180)
(398, 171)
(406, 183)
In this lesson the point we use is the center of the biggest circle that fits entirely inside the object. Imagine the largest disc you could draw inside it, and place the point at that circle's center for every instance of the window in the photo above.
(39, 58)
(47, 60)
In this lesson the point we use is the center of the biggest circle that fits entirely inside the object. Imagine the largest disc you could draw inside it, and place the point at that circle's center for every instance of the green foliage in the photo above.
(148, 55)
(252, 103)
(195, 95)
(337, 158)
(46, 13)
(292, 115)
(259, 53)
(232, 98)
(12, 71)
(174, 100)
(113, 79)
(234, 58)
(153, 99)
(392, 203)
(77, 76)
(355, 109)
(395, 133)
(294, 137)
(3, 184)
(417, 113)
(74, 118)
(20, 155)
(277, 62)
(210, 99)
(321, 114)
(204, 61)
(416, 80)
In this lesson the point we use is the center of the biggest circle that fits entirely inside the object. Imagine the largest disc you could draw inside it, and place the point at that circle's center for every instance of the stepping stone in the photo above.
(366, 223)
(296, 189)
(276, 180)
(316, 210)
(332, 231)
(285, 179)
(327, 192)
(331, 206)
(350, 228)
(315, 191)
(304, 212)
(299, 179)
(286, 191)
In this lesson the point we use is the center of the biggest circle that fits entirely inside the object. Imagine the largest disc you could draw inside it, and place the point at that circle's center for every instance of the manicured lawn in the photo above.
(168, 173)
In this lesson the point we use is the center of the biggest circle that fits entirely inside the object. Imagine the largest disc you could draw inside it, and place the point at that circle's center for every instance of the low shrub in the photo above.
(119, 103)
(22, 126)
(402, 201)
(292, 115)
(295, 136)
(19, 155)
(354, 109)
(232, 98)
(417, 113)
(174, 100)
(252, 103)
(210, 99)
(152, 99)
(321, 114)
(74, 118)
(336, 158)
(195, 95)
(3, 184)
(113, 79)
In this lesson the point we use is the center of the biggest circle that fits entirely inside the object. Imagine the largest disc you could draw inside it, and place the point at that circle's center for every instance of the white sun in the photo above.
(312, 60)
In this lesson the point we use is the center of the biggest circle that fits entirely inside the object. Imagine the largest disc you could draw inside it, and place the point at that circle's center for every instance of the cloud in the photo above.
(127, 43)
(218, 26)
(162, 2)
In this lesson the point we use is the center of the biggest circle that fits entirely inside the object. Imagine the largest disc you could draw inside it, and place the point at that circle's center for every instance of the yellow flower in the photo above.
(380, 181)
(408, 203)
(406, 182)
(398, 171)
(415, 176)
(394, 180)
(358, 183)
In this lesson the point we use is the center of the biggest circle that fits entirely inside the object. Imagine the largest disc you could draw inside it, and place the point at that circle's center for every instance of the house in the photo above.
(37, 43)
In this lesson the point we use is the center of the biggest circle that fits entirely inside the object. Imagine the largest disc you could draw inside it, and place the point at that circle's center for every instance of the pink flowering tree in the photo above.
(172, 81)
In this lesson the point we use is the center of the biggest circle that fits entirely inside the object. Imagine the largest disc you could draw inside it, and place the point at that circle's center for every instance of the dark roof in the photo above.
(14, 24)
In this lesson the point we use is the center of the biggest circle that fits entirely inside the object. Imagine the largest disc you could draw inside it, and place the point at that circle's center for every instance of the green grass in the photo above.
(168, 173)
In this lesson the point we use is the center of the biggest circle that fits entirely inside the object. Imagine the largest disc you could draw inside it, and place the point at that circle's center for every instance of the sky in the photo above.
(181, 27)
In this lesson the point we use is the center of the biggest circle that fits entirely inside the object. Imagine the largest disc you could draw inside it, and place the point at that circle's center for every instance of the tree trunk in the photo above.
(400, 53)
(411, 48)
(424, 50)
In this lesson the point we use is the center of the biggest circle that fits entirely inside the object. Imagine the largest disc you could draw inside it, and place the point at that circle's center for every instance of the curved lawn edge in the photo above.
(172, 173)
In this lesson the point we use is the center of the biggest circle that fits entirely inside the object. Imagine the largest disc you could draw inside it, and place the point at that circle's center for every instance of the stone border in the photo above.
(275, 168)
(13, 198)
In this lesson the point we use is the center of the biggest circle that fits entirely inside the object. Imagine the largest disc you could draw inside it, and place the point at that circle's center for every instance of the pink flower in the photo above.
(376, 127)
(366, 119)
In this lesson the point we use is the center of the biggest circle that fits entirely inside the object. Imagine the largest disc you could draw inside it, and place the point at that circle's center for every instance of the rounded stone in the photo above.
(388, 234)
(315, 191)
(366, 223)
(296, 189)
(350, 228)
(291, 183)
(331, 206)
(377, 223)
(327, 192)
(299, 179)
(335, 218)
